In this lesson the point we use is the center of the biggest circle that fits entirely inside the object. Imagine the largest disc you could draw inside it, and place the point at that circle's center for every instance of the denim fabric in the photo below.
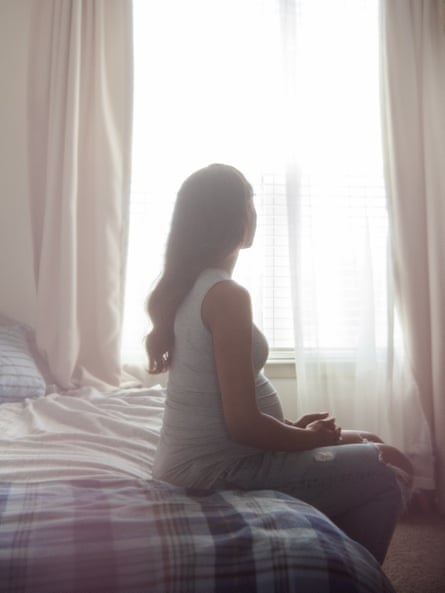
(349, 483)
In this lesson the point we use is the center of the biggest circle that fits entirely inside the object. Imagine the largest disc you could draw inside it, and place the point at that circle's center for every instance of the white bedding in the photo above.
(83, 434)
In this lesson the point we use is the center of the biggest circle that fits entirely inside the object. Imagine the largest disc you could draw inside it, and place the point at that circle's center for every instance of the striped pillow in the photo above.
(19, 375)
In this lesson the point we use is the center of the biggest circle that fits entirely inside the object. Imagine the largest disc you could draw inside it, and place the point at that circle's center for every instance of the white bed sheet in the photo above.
(81, 434)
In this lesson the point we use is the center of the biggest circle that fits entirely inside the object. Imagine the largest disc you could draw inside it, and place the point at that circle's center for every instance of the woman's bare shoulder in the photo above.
(228, 301)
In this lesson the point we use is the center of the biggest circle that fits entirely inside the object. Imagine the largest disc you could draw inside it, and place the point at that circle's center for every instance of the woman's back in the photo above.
(195, 446)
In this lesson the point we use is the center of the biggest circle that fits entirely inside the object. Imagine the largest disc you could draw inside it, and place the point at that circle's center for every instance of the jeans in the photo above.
(348, 483)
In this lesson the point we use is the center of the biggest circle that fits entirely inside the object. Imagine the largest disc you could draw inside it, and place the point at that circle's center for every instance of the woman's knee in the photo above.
(371, 437)
(358, 436)
(392, 456)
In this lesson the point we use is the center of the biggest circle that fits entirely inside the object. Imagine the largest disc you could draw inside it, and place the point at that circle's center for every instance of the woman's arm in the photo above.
(226, 311)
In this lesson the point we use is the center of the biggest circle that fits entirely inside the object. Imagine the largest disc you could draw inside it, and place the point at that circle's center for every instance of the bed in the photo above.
(80, 512)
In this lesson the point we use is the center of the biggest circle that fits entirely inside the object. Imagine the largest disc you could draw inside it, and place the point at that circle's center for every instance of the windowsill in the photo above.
(280, 368)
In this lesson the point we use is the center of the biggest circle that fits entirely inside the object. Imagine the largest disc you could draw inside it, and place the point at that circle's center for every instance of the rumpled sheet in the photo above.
(84, 434)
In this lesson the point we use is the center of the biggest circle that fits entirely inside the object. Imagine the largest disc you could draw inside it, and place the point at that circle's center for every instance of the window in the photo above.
(213, 83)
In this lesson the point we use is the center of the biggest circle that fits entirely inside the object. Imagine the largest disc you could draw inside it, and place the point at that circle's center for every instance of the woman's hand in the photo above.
(328, 433)
(307, 419)
(326, 430)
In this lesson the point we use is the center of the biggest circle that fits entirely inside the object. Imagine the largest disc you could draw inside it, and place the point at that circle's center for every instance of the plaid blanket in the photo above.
(135, 536)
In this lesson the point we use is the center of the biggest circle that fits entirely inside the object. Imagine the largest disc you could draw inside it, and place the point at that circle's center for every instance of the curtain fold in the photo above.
(350, 357)
(80, 110)
(413, 91)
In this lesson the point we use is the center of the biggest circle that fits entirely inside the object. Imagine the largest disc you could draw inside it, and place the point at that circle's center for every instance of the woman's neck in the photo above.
(228, 263)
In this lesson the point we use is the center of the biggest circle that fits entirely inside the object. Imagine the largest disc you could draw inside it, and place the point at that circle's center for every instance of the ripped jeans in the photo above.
(348, 483)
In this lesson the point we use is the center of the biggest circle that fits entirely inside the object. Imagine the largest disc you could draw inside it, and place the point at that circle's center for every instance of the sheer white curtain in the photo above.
(80, 81)
(348, 347)
(413, 67)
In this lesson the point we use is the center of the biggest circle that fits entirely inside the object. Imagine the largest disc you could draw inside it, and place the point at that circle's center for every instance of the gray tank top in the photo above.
(195, 447)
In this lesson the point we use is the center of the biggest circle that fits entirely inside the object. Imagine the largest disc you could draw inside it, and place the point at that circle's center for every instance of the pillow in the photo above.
(19, 374)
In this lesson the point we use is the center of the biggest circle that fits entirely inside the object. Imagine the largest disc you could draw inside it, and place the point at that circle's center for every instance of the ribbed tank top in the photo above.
(195, 447)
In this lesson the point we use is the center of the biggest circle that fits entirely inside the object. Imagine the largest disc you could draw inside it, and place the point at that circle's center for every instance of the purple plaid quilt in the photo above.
(135, 536)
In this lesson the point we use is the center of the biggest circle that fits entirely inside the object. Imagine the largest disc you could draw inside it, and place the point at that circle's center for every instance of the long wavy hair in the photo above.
(209, 222)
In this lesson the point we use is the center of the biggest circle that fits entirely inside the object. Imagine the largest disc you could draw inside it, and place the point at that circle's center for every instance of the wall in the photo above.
(17, 293)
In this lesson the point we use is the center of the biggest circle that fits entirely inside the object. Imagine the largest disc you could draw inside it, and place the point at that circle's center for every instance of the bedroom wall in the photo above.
(16, 271)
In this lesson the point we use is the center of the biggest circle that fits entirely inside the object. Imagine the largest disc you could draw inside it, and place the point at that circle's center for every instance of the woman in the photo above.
(223, 425)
